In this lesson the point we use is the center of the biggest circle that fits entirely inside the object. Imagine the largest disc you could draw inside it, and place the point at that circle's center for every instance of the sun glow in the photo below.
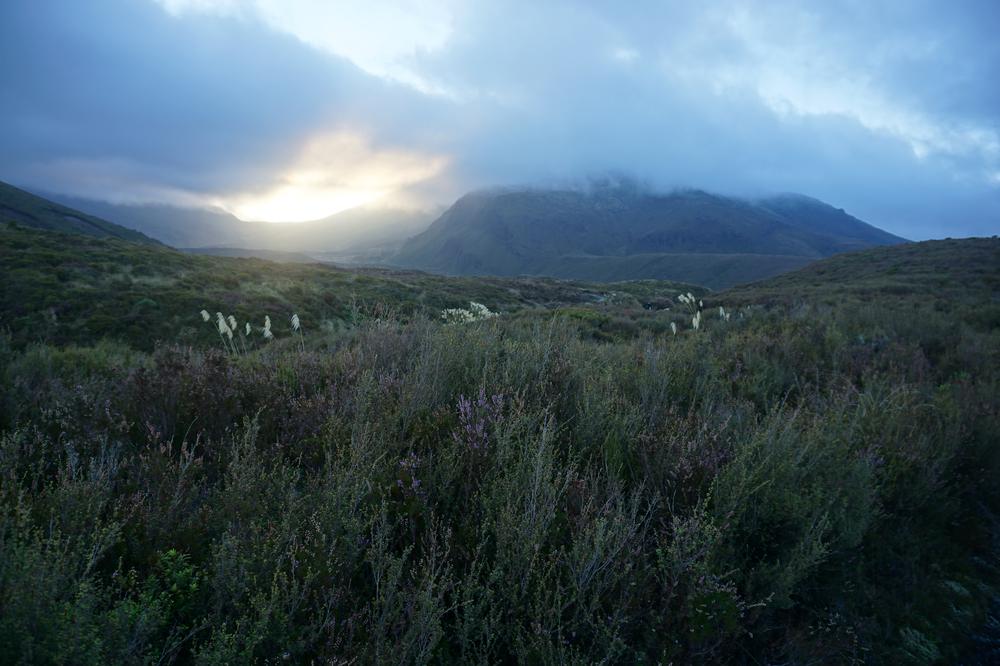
(299, 203)
(333, 173)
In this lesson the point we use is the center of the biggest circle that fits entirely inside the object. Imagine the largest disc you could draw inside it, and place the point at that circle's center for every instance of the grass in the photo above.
(66, 289)
(812, 481)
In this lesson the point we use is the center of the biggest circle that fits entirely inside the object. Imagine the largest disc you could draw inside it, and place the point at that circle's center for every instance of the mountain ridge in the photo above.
(536, 231)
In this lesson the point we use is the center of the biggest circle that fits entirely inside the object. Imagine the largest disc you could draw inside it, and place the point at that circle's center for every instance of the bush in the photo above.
(797, 485)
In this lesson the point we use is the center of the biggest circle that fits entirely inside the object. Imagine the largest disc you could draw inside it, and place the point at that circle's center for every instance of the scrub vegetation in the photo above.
(809, 476)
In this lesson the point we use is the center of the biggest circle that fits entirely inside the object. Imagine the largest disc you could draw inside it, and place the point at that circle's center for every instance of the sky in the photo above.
(287, 110)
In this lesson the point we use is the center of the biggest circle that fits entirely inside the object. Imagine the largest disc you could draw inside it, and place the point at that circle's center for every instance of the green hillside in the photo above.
(27, 210)
(62, 289)
(939, 271)
(807, 477)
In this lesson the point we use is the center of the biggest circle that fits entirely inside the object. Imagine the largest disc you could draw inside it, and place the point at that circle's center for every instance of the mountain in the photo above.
(357, 233)
(176, 226)
(29, 210)
(623, 232)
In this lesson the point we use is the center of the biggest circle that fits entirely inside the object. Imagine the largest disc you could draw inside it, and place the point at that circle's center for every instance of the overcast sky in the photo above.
(293, 109)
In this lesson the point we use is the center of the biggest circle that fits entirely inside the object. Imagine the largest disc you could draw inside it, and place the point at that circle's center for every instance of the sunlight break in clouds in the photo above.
(334, 172)
(378, 37)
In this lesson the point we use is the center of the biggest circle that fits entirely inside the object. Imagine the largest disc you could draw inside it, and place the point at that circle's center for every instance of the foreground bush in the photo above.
(795, 487)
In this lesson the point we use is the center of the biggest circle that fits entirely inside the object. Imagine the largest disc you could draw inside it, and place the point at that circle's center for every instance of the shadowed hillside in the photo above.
(938, 271)
(26, 209)
(624, 232)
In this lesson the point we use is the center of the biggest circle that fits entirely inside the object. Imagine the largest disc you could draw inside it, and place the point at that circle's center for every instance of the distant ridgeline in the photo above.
(606, 234)
(622, 233)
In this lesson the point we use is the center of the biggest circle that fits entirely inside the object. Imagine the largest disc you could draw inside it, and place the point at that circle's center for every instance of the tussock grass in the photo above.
(784, 487)
(796, 483)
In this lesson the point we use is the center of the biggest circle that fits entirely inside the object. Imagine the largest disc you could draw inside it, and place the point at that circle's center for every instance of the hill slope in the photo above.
(79, 292)
(942, 272)
(29, 210)
(568, 233)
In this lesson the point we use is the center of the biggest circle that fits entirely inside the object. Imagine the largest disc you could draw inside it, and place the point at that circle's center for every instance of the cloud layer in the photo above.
(890, 111)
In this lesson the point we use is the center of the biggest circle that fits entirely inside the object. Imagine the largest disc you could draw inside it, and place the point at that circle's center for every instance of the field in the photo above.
(808, 477)
(63, 289)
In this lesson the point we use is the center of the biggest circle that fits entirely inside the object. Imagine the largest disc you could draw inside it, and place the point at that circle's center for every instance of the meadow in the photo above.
(808, 477)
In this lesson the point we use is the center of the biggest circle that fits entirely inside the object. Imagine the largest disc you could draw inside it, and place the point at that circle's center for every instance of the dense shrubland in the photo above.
(798, 484)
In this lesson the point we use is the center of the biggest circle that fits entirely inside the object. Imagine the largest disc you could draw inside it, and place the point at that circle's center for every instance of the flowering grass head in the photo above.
(223, 325)
(475, 312)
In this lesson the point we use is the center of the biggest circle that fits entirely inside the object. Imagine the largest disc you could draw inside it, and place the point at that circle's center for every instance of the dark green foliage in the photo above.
(803, 483)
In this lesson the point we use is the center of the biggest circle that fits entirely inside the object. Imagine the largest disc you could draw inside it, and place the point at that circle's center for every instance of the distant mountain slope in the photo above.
(173, 225)
(575, 233)
(29, 210)
(843, 232)
(357, 231)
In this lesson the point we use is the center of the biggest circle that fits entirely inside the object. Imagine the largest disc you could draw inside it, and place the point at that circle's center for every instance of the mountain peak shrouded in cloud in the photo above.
(296, 109)
(617, 229)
